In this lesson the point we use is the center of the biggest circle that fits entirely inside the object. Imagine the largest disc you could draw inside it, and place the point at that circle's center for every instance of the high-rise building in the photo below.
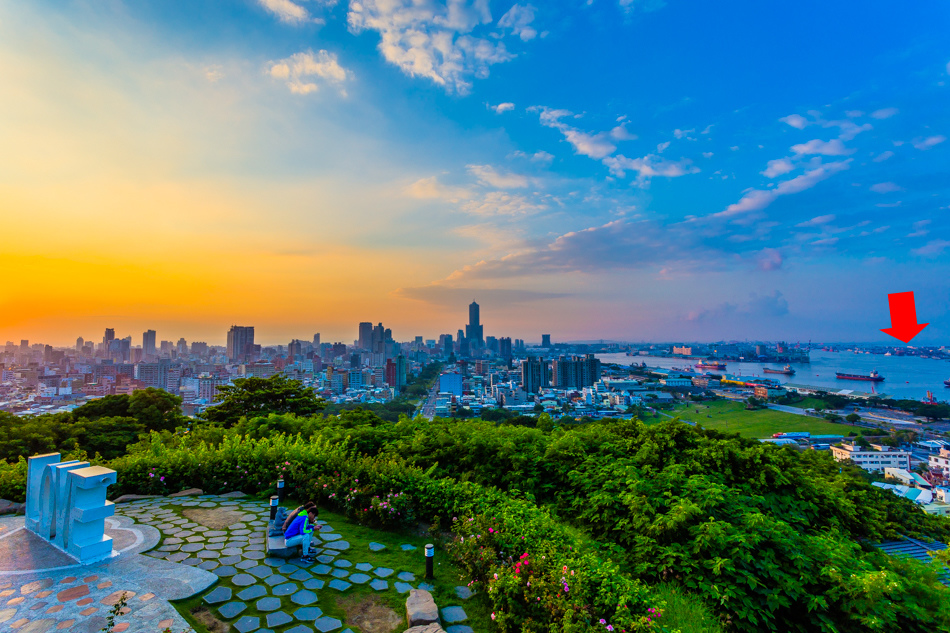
(148, 343)
(240, 343)
(576, 372)
(316, 340)
(474, 331)
(79, 343)
(107, 338)
(504, 348)
(534, 375)
(365, 340)
(545, 340)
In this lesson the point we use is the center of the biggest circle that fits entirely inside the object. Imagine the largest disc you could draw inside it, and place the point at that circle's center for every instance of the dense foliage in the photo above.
(773, 538)
(250, 397)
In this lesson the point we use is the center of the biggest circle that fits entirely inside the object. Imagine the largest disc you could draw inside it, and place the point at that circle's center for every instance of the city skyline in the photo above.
(610, 170)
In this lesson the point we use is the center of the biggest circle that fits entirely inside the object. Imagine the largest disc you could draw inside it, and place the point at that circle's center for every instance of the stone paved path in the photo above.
(257, 593)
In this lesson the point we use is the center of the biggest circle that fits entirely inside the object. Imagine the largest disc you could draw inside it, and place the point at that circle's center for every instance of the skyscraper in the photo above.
(148, 343)
(545, 340)
(534, 375)
(107, 338)
(474, 330)
(240, 343)
(366, 336)
(316, 340)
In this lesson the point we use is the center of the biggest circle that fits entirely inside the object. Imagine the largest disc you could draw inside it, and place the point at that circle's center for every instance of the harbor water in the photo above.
(904, 376)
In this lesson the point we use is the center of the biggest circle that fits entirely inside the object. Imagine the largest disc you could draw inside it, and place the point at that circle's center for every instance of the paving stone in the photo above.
(206, 555)
(208, 565)
(322, 569)
(343, 563)
(406, 547)
(453, 614)
(339, 585)
(278, 618)
(192, 547)
(285, 589)
(326, 623)
(314, 584)
(406, 576)
(340, 573)
(464, 592)
(402, 587)
(229, 560)
(218, 539)
(376, 547)
(256, 547)
(330, 536)
(258, 541)
(359, 579)
(268, 604)
(216, 533)
(243, 580)
(338, 545)
(248, 623)
(169, 548)
(219, 594)
(273, 561)
(383, 572)
(247, 564)
(193, 562)
(214, 546)
(177, 557)
(173, 541)
(303, 597)
(426, 587)
(195, 539)
(459, 628)
(379, 585)
(325, 559)
(364, 566)
(232, 609)
(287, 569)
(252, 593)
(240, 532)
(261, 571)
(300, 574)
(276, 579)
(308, 613)
(255, 555)
(225, 571)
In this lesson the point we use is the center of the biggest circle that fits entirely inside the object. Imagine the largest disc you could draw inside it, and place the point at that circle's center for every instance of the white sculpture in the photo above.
(66, 505)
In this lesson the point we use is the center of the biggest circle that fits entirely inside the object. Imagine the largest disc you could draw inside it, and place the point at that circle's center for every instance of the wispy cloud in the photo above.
(930, 141)
(595, 146)
(649, 166)
(501, 107)
(886, 187)
(933, 248)
(818, 221)
(884, 113)
(758, 199)
(778, 167)
(833, 147)
(488, 175)
(501, 203)
(431, 189)
(883, 156)
(518, 20)
(304, 72)
(286, 11)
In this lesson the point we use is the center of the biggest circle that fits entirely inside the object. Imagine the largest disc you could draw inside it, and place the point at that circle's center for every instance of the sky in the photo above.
(594, 169)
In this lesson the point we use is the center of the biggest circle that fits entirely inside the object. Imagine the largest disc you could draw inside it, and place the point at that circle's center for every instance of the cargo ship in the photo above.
(946, 383)
(872, 377)
(708, 364)
(788, 371)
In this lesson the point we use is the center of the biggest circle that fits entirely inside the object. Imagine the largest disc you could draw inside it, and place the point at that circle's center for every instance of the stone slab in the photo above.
(379, 585)
(231, 610)
(359, 579)
(402, 587)
(464, 592)
(285, 589)
(454, 614)
(326, 624)
(268, 604)
(421, 608)
(252, 593)
(308, 613)
(376, 547)
(247, 624)
(406, 576)
(278, 618)
(218, 595)
(339, 585)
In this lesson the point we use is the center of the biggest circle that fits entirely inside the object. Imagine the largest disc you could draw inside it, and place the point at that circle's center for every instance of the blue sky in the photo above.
(596, 169)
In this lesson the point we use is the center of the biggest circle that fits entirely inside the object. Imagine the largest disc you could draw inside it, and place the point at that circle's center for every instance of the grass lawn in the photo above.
(809, 403)
(733, 417)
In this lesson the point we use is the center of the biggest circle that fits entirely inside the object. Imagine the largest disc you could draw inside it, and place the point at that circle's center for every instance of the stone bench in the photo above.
(276, 545)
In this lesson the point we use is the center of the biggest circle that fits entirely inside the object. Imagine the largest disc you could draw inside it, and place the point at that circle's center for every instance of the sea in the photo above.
(904, 376)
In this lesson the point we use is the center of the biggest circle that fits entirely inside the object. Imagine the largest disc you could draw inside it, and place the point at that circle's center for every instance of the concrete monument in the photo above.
(66, 505)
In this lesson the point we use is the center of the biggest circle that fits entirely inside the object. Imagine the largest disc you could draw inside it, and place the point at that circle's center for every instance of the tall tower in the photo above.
(474, 329)
(366, 336)
(148, 343)
(240, 343)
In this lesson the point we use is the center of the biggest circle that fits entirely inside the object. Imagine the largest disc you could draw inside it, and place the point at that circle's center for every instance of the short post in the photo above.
(280, 489)
(274, 501)
(430, 555)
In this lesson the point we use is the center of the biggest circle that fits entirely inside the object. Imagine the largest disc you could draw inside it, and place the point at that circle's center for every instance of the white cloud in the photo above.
(884, 113)
(502, 203)
(929, 142)
(428, 39)
(488, 175)
(286, 10)
(678, 133)
(708, 154)
(833, 147)
(649, 166)
(933, 248)
(662, 146)
(920, 229)
(885, 187)
(883, 156)
(758, 199)
(540, 157)
(501, 107)
(853, 114)
(621, 133)
(519, 19)
(778, 167)
(595, 146)
(302, 70)
(431, 189)
(795, 120)
(818, 221)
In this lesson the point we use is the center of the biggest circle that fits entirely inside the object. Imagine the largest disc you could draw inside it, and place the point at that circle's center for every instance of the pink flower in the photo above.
(492, 615)
(161, 478)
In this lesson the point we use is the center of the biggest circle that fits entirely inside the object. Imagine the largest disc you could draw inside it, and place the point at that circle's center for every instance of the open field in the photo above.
(733, 417)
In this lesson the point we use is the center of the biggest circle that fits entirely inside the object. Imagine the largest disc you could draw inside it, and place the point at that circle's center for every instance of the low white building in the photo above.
(941, 462)
(874, 458)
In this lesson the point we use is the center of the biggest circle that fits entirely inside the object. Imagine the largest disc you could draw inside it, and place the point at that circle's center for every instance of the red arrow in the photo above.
(904, 325)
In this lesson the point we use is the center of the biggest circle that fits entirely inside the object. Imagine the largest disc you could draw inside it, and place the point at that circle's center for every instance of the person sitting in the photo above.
(300, 533)
(293, 515)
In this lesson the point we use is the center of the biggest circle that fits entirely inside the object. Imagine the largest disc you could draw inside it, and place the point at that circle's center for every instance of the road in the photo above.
(428, 405)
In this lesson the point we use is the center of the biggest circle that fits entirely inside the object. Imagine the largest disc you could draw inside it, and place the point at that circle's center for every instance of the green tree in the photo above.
(156, 409)
(852, 417)
(255, 397)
